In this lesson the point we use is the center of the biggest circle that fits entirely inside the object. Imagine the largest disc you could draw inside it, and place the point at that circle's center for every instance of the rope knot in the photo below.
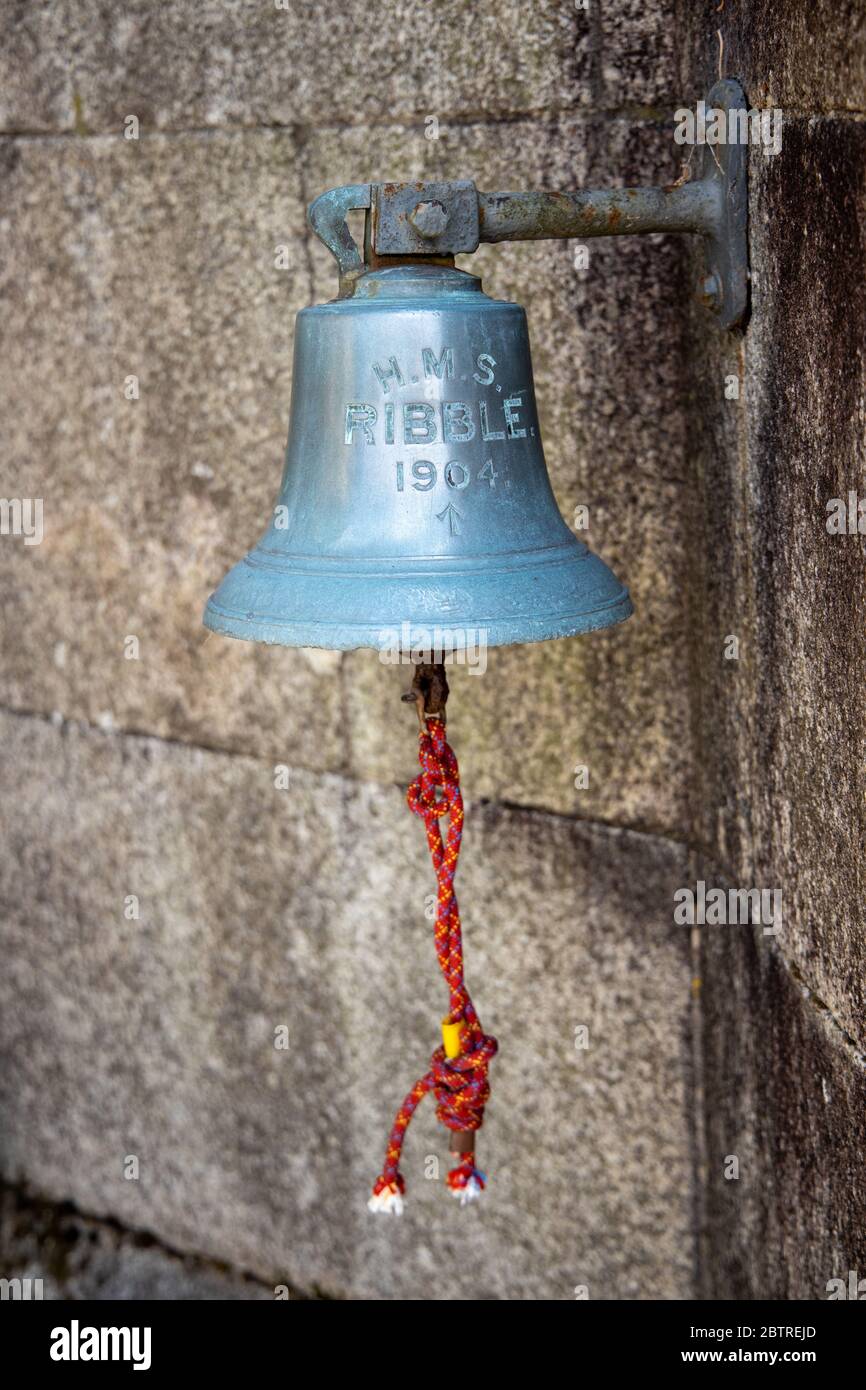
(439, 771)
(460, 1084)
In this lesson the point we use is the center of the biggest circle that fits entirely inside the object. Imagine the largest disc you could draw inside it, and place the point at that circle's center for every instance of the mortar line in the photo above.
(405, 122)
(218, 750)
(141, 1236)
(648, 115)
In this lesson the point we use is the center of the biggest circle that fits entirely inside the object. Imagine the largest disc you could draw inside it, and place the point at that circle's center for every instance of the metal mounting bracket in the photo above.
(410, 220)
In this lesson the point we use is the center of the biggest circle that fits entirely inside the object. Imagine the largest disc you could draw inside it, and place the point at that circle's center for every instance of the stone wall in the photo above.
(779, 734)
(155, 258)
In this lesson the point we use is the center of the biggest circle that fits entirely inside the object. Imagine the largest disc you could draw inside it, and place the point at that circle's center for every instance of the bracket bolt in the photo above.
(710, 291)
(429, 219)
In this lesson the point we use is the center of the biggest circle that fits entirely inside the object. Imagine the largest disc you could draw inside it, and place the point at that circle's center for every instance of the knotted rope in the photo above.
(458, 1078)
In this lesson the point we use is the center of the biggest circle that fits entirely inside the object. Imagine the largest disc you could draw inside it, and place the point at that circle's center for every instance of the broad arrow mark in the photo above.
(453, 517)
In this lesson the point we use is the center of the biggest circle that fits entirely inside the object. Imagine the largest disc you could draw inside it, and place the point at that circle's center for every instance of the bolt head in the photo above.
(710, 291)
(429, 219)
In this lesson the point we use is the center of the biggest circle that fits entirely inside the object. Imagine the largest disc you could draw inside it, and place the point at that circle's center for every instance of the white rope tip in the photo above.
(468, 1193)
(388, 1202)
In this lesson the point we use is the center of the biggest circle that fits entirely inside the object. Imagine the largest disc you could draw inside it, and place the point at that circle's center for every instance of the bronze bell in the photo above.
(415, 499)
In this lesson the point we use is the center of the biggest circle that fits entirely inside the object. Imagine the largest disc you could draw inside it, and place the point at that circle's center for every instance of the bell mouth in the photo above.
(311, 601)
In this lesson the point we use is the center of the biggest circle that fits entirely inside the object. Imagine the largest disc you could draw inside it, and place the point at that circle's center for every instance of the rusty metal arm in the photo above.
(689, 207)
(445, 219)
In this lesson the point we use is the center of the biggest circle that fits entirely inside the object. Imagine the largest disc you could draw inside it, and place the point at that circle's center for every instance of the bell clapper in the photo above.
(428, 692)
(458, 1069)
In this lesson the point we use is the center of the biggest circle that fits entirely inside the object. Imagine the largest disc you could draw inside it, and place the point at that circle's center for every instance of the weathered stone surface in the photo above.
(779, 789)
(637, 48)
(785, 1097)
(261, 908)
(806, 389)
(156, 260)
(86, 66)
(74, 1257)
(800, 55)
(780, 730)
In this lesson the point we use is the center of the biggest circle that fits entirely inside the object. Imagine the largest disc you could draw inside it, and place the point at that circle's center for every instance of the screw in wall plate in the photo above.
(710, 291)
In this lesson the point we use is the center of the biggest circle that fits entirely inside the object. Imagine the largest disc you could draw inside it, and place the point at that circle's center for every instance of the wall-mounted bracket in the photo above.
(450, 218)
(726, 287)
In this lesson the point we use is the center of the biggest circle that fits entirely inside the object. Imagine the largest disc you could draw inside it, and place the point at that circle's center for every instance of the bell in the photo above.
(415, 506)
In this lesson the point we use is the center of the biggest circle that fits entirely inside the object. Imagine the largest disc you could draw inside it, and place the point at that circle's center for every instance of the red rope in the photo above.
(459, 1084)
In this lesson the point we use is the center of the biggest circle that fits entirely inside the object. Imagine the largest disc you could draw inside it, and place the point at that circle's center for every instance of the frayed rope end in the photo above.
(466, 1183)
(387, 1196)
